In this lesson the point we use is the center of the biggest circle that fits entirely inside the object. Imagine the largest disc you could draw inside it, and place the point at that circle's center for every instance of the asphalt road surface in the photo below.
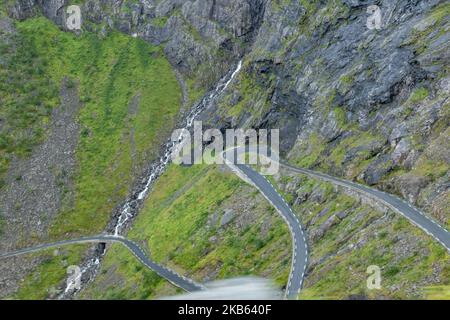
(400, 206)
(136, 250)
(299, 245)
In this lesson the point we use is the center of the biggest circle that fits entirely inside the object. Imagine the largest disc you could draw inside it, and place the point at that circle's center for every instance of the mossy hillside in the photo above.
(429, 29)
(311, 151)
(402, 277)
(418, 95)
(356, 146)
(438, 292)
(27, 98)
(252, 100)
(351, 154)
(191, 211)
(240, 251)
(109, 74)
(177, 225)
(433, 26)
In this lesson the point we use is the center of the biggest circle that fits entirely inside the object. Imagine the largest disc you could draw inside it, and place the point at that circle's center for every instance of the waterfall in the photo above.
(158, 168)
(131, 206)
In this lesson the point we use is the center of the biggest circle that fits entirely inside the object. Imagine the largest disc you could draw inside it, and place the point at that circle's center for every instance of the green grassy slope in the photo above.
(53, 268)
(109, 73)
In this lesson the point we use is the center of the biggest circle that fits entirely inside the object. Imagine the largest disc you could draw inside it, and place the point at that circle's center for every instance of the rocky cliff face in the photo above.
(367, 104)
(201, 38)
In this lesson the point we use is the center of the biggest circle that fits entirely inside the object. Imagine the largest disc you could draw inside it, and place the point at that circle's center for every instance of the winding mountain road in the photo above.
(299, 261)
(300, 246)
(136, 250)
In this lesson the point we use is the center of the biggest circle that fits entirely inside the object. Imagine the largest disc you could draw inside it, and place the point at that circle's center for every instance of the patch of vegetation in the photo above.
(110, 73)
(197, 244)
(191, 210)
(27, 99)
(310, 6)
(196, 91)
(357, 140)
(318, 15)
(418, 95)
(339, 115)
(345, 275)
(251, 93)
(310, 152)
(430, 168)
(430, 28)
(345, 83)
(40, 285)
(437, 292)
(133, 279)
(159, 21)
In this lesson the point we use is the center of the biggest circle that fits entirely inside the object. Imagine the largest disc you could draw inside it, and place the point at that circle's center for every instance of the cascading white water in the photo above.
(159, 167)
(130, 208)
